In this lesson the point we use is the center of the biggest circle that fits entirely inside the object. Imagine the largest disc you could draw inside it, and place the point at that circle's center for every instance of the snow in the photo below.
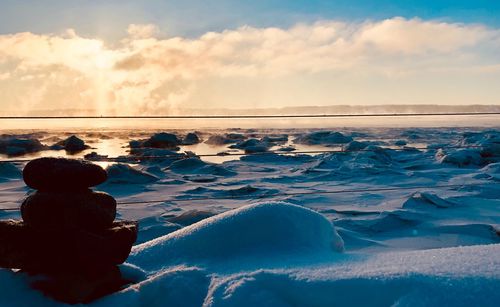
(9, 171)
(125, 174)
(254, 230)
(250, 246)
(446, 277)
(197, 166)
(459, 276)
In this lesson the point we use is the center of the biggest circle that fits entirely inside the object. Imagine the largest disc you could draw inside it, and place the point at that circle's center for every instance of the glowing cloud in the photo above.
(143, 73)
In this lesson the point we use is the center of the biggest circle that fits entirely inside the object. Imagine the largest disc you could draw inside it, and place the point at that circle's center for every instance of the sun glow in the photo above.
(102, 61)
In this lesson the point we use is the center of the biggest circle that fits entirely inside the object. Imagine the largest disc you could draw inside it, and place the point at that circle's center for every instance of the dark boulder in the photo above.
(60, 174)
(162, 140)
(72, 144)
(191, 139)
(87, 210)
(229, 138)
(51, 251)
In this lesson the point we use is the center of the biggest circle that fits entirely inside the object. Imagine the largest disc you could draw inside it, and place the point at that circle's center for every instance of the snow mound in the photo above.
(419, 200)
(197, 166)
(175, 287)
(259, 229)
(355, 145)
(464, 276)
(125, 174)
(492, 170)
(9, 171)
(460, 157)
(323, 138)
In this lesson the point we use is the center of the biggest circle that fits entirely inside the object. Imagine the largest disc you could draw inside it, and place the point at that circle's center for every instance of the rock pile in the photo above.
(68, 233)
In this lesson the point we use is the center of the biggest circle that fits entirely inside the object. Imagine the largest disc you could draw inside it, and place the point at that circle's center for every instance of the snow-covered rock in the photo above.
(460, 157)
(191, 139)
(13, 146)
(323, 138)
(229, 138)
(158, 140)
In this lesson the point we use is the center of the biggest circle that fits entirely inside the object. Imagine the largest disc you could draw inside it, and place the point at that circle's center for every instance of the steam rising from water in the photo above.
(202, 124)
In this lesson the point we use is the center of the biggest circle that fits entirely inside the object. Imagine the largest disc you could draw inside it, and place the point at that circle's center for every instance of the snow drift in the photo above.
(260, 229)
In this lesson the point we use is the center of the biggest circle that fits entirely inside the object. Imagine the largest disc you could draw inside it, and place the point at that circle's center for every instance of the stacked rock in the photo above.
(68, 232)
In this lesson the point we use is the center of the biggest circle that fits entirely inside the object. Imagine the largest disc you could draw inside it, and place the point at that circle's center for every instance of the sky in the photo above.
(141, 57)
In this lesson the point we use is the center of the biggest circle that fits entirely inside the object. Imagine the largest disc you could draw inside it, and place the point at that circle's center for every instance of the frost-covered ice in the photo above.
(411, 247)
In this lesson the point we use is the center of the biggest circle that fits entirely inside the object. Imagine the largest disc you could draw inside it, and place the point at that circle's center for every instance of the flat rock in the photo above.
(61, 174)
(87, 210)
(51, 251)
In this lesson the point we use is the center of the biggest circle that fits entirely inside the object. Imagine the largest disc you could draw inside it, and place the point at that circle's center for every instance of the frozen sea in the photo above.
(401, 213)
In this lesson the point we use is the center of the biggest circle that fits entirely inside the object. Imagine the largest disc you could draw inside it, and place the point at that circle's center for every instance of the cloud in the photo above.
(414, 36)
(4, 76)
(143, 73)
(141, 31)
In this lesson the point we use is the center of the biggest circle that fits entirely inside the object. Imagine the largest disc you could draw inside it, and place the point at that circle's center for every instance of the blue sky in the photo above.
(109, 19)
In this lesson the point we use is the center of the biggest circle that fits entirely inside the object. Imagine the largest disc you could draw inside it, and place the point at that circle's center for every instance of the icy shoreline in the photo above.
(408, 247)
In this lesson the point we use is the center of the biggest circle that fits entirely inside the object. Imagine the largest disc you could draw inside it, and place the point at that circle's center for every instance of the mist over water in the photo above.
(268, 123)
